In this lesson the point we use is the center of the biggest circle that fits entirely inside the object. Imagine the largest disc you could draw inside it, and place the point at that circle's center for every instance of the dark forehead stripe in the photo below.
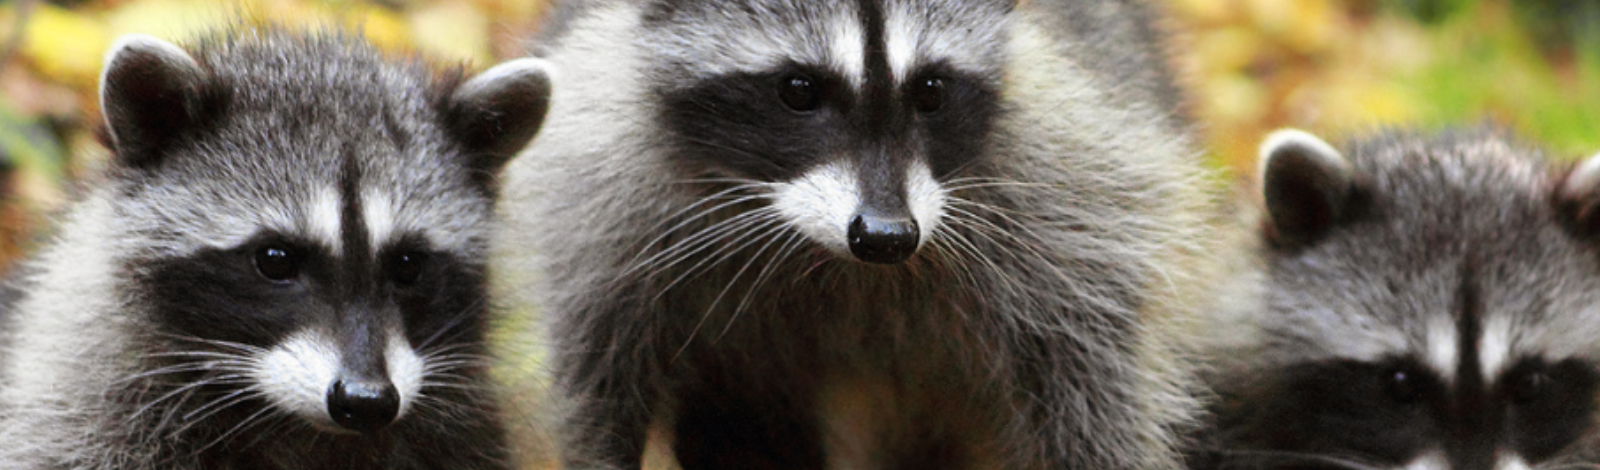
(1474, 416)
(877, 98)
(352, 227)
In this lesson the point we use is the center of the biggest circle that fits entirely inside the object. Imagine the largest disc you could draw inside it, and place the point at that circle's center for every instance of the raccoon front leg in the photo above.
(733, 421)
(609, 402)
(1083, 408)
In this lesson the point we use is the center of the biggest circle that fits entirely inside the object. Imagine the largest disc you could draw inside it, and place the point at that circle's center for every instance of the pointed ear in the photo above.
(149, 91)
(1306, 185)
(496, 113)
(1578, 197)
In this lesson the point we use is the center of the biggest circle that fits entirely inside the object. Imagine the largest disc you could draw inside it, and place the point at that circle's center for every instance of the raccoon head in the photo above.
(852, 116)
(302, 222)
(1431, 304)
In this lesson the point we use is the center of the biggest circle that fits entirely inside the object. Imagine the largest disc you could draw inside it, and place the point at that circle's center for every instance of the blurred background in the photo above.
(1330, 66)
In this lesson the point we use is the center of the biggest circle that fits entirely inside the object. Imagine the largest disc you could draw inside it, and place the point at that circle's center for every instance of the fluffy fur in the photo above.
(1417, 302)
(155, 333)
(688, 236)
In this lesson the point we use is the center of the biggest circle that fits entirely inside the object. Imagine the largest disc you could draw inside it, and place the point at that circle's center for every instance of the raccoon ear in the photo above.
(1578, 197)
(150, 90)
(496, 113)
(1306, 185)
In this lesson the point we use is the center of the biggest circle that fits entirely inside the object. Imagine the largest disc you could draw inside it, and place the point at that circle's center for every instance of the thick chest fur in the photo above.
(879, 367)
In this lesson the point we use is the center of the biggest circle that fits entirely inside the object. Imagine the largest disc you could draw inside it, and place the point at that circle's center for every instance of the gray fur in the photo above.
(263, 122)
(1028, 333)
(1425, 219)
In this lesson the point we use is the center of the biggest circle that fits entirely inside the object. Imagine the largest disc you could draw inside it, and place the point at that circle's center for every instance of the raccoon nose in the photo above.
(882, 240)
(363, 406)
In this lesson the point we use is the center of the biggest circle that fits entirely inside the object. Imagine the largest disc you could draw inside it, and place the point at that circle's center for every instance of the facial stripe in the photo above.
(1443, 347)
(848, 47)
(1474, 418)
(379, 216)
(901, 43)
(878, 94)
(1494, 347)
(322, 218)
(353, 233)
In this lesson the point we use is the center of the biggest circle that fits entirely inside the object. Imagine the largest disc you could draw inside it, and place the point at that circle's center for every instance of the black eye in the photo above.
(1402, 385)
(406, 267)
(277, 263)
(1527, 387)
(927, 94)
(800, 93)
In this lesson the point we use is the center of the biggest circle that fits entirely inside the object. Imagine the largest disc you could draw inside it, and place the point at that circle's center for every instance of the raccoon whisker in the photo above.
(733, 239)
(958, 203)
(447, 362)
(451, 325)
(766, 231)
(183, 390)
(278, 428)
(685, 221)
(790, 243)
(965, 184)
(221, 366)
(989, 231)
(206, 410)
(248, 421)
(961, 219)
(202, 354)
(764, 222)
(953, 258)
(453, 361)
(452, 381)
(725, 180)
(448, 348)
(239, 347)
(450, 386)
(707, 236)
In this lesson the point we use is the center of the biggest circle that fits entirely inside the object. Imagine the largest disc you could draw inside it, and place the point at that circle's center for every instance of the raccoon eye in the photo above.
(1401, 385)
(1529, 387)
(800, 93)
(406, 267)
(276, 263)
(927, 94)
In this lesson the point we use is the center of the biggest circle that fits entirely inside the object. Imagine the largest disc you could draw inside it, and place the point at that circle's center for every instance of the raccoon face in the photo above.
(305, 226)
(1430, 306)
(850, 118)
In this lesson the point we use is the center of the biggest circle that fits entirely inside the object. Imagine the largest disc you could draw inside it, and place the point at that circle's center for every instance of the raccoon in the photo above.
(863, 234)
(282, 269)
(1419, 302)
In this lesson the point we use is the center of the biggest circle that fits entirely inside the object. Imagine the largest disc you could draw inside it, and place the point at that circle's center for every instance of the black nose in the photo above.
(883, 240)
(363, 406)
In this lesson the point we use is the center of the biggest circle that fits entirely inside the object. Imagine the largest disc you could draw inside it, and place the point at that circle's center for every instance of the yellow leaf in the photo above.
(65, 46)
(451, 31)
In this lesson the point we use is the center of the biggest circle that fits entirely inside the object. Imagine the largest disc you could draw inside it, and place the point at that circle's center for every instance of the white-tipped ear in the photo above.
(1578, 197)
(1305, 183)
(149, 90)
(1584, 180)
(496, 113)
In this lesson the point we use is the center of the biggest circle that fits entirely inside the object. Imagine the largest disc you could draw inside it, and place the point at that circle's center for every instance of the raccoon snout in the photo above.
(363, 406)
(882, 240)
